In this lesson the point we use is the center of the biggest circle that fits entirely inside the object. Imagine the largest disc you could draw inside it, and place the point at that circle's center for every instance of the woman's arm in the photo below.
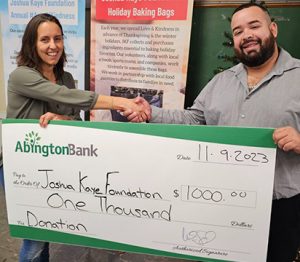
(29, 83)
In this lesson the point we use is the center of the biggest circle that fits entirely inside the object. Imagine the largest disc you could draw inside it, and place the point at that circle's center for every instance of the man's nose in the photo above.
(247, 34)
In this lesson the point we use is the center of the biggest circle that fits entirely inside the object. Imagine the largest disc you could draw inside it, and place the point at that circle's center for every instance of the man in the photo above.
(262, 91)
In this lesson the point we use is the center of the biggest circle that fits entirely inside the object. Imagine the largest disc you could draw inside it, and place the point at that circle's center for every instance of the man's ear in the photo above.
(274, 29)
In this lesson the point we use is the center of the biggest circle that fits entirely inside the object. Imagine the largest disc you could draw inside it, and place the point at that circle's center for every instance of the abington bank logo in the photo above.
(32, 145)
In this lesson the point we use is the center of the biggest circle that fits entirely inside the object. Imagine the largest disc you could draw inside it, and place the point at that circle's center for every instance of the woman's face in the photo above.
(50, 43)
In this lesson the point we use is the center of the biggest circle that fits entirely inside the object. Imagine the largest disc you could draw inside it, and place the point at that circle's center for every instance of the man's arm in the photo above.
(191, 116)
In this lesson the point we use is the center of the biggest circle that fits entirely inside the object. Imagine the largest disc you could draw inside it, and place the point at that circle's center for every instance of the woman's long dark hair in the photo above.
(28, 55)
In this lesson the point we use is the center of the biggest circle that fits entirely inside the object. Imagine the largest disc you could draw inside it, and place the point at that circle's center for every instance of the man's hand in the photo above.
(45, 118)
(133, 116)
(287, 138)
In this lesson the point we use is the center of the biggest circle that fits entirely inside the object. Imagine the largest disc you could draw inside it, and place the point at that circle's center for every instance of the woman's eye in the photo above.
(58, 39)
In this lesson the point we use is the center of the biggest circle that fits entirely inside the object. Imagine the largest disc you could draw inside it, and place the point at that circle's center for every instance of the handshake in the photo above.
(136, 110)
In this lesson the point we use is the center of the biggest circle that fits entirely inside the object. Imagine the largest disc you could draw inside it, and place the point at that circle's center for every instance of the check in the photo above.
(170, 190)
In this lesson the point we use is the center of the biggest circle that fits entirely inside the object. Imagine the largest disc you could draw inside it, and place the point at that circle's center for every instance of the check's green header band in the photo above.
(216, 134)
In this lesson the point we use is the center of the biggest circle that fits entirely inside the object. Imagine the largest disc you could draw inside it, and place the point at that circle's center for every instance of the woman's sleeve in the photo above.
(30, 83)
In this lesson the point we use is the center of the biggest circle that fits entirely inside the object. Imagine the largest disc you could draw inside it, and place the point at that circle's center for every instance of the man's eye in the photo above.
(236, 33)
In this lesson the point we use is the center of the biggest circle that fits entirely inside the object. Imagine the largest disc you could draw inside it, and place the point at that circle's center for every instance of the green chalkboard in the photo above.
(208, 27)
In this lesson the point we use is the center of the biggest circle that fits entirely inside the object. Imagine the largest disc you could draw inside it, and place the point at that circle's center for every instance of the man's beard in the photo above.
(267, 49)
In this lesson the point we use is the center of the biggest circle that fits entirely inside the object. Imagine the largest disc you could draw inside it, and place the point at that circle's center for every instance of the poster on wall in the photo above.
(140, 48)
(2, 87)
(71, 14)
(236, 2)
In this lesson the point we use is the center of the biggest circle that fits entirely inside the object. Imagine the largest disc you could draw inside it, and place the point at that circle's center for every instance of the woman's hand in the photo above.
(45, 118)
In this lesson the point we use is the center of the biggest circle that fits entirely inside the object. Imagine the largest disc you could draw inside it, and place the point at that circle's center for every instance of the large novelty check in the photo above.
(170, 190)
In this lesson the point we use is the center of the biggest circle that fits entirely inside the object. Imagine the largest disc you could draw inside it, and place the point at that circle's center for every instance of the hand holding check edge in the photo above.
(287, 138)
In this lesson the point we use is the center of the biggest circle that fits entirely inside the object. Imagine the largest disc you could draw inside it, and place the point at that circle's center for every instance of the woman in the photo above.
(39, 85)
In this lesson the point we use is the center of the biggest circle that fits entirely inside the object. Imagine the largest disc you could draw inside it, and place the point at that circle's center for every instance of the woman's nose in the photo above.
(52, 43)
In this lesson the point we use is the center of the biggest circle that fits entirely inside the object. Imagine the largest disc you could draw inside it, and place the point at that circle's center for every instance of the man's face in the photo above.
(254, 36)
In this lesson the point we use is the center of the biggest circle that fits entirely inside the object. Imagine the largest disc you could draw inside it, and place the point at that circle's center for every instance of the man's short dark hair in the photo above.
(261, 5)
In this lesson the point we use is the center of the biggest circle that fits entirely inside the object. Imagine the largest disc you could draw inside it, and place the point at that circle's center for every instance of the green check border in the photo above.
(244, 136)
(60, 237)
